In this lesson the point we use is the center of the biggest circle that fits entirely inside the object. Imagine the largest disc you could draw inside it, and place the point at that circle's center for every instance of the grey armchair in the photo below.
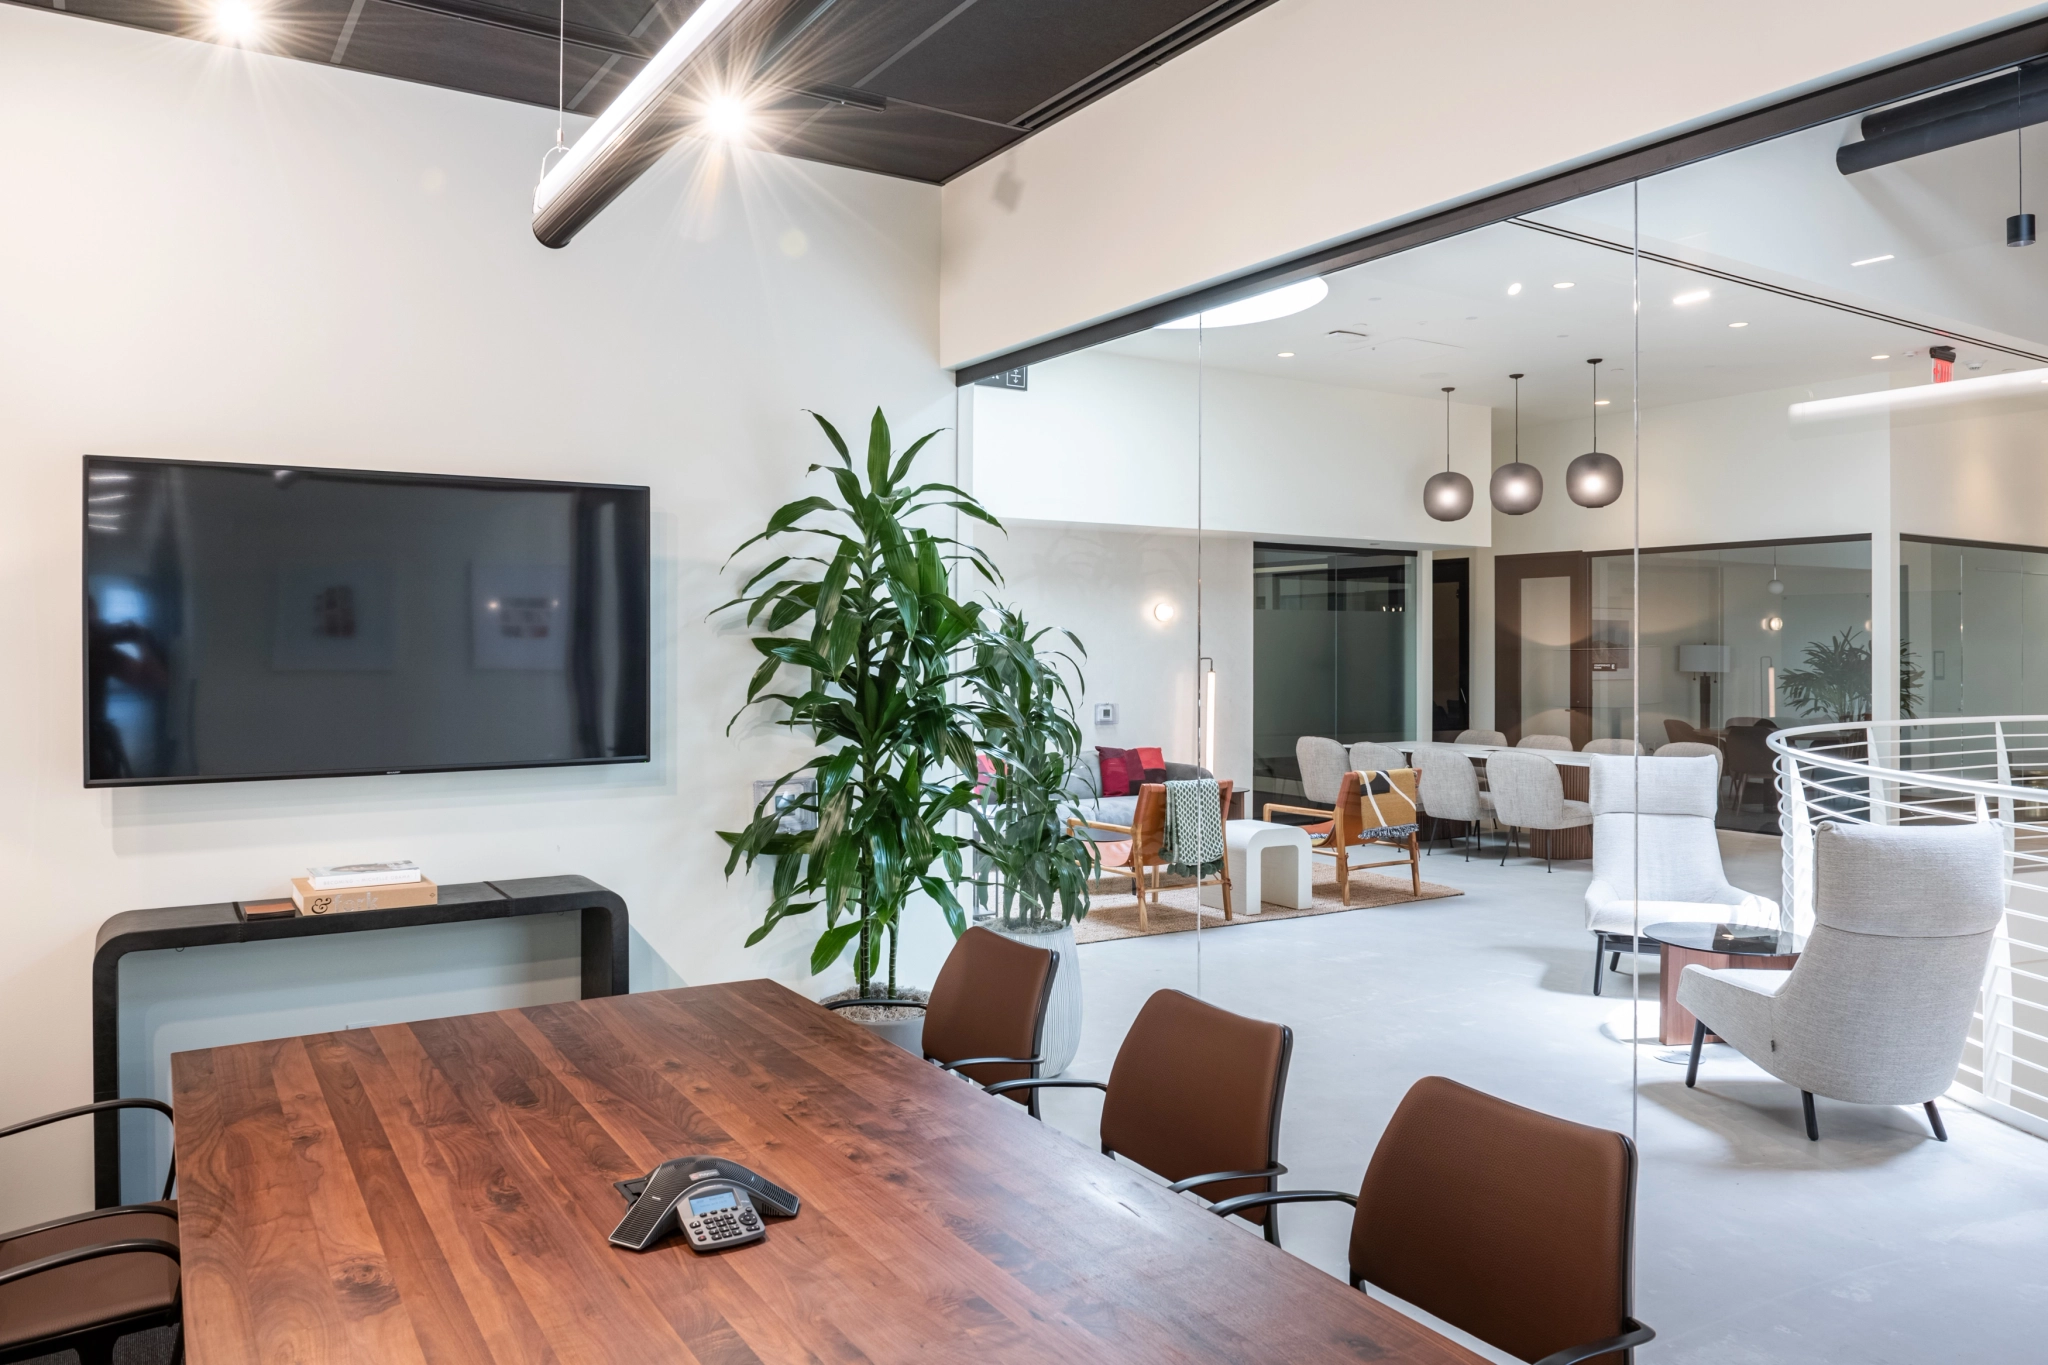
(1323, 763)
(1528, 794)
(1877, 1009)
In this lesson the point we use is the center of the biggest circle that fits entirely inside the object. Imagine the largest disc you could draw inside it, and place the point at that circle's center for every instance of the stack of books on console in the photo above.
(362, 886)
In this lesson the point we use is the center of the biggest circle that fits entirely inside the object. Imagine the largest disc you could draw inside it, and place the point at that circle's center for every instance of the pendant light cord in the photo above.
(1447, 428)
(561, 82)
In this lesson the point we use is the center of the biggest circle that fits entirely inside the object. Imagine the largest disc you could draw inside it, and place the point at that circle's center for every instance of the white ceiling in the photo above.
(1779, 213)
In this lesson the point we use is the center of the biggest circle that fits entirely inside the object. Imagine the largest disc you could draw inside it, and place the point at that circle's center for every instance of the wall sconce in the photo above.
(1773, 623)
(1162, 612)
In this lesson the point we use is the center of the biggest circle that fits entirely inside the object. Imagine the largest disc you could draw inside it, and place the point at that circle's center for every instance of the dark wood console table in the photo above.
(186, 926)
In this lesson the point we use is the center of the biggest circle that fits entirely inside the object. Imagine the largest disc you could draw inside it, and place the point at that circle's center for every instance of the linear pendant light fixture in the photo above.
(1448, 495)
(1517, 488)
(630, 135)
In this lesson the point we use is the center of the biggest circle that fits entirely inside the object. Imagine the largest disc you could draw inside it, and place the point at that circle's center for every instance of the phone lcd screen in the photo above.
(711, 1203)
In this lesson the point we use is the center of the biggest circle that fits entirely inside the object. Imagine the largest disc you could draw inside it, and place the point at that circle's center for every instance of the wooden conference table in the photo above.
(1574, 770)
(441, 1191)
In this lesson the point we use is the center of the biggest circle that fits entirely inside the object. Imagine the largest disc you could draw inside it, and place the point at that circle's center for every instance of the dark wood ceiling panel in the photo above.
(1003, 58)
(964, 78)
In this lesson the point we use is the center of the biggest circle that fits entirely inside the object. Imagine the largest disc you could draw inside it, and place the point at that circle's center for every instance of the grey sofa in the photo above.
(1877, 1009)
(1084, 789)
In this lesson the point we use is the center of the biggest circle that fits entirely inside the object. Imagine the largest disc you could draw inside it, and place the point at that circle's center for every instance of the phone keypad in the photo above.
(723, 1227)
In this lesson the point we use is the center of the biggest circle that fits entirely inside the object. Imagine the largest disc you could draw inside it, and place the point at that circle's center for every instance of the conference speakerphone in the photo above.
(710, 1200)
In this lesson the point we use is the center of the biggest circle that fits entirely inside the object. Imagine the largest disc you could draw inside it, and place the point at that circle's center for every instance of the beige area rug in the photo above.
(1113, 911)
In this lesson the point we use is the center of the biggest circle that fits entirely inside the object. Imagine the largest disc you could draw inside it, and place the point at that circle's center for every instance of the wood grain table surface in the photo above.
(441, 1191)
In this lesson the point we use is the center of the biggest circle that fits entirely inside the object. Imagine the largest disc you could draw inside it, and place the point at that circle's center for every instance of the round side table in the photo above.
(1712, 945)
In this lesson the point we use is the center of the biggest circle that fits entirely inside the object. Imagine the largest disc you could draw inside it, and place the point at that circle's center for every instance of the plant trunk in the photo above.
(892, 959)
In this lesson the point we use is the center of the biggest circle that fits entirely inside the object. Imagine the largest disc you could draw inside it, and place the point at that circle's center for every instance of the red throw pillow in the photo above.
(1120, 771)
(1153, 763)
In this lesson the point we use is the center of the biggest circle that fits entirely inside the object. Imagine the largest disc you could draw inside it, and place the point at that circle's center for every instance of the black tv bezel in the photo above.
(89, 461)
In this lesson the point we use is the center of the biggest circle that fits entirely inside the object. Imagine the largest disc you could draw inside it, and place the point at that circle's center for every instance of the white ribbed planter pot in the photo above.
(907, 1032)
(1063, 1012)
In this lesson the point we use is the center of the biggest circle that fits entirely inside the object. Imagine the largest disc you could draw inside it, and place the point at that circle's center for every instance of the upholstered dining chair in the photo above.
(82, 1283)
(985, 1020)
(1749, 760)
(1691, 748)
(1877, 1010)
(1194, 1096)
(1367, 757)
(1142, 849)
(1554, 742)
(1612, 746)
(1681, 732)
(1371, 808)
(1448, 785)
(1507, 1223)
(1323, 763)
(1528, 794)
(1675, 870)
(1493, 737)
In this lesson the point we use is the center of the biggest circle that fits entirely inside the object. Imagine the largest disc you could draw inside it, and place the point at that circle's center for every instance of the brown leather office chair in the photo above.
(1195, 1097)
(1509, 1224)
(986, 1017)
(1143, 847)
(84, 1282)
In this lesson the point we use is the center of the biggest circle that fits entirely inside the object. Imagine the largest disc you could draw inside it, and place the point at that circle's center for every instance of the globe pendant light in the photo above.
(1517, 488)
(1594, 479)
(1447, 496)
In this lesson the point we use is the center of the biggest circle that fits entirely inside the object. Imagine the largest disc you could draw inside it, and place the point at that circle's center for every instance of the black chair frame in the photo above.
(1611, 945)
(1273, 1169)
(1636, 1334)
(95, 1344)
(1692, 1075)
(1036, 1060)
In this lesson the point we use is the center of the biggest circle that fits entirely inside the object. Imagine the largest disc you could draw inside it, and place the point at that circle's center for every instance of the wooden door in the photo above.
(1543, 663)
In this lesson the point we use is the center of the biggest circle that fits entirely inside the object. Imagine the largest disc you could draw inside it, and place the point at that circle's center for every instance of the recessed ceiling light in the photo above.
(1880, 357)
(1274, 303)
(1562, 284)
(1515, 288)
(1287, 355)
(1738, 324)
(1872, 260)
(1692, 296)
(236, 20)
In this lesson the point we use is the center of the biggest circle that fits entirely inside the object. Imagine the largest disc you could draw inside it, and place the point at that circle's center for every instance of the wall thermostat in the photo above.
(1105, 713)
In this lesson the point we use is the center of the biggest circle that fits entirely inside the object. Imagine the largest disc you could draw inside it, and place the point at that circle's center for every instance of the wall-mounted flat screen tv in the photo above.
(255, 621)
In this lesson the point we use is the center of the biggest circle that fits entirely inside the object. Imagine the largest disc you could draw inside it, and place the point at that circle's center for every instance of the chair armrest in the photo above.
(1097, 824)
(1182, 1186)
(83, 1110)
(99, 1106)
(91, 1253)
(1635, 1336)
(1245, 1201)
(985, 1061)
(898, 1004)
(1272, 806)
(1004, 1087)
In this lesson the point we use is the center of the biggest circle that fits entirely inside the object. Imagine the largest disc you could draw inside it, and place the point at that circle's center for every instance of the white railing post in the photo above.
(1998, 978)
(1795, 910)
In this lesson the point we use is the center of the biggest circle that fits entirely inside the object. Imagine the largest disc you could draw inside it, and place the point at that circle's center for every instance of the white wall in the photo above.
(1103, 583)
(1109, 438)
(219, 256)
(1315, 120)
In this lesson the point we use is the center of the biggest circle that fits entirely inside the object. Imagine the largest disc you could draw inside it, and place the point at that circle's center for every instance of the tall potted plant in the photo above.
(1031, 872)
(878, 664)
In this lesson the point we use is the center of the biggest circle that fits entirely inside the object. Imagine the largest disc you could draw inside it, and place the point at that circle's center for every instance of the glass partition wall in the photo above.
(1750, 345)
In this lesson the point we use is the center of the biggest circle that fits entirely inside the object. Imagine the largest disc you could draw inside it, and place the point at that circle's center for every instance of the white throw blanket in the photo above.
(1194, 827)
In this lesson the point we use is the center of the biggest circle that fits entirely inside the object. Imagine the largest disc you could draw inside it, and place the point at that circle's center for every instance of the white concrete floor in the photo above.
(1877, 1244)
